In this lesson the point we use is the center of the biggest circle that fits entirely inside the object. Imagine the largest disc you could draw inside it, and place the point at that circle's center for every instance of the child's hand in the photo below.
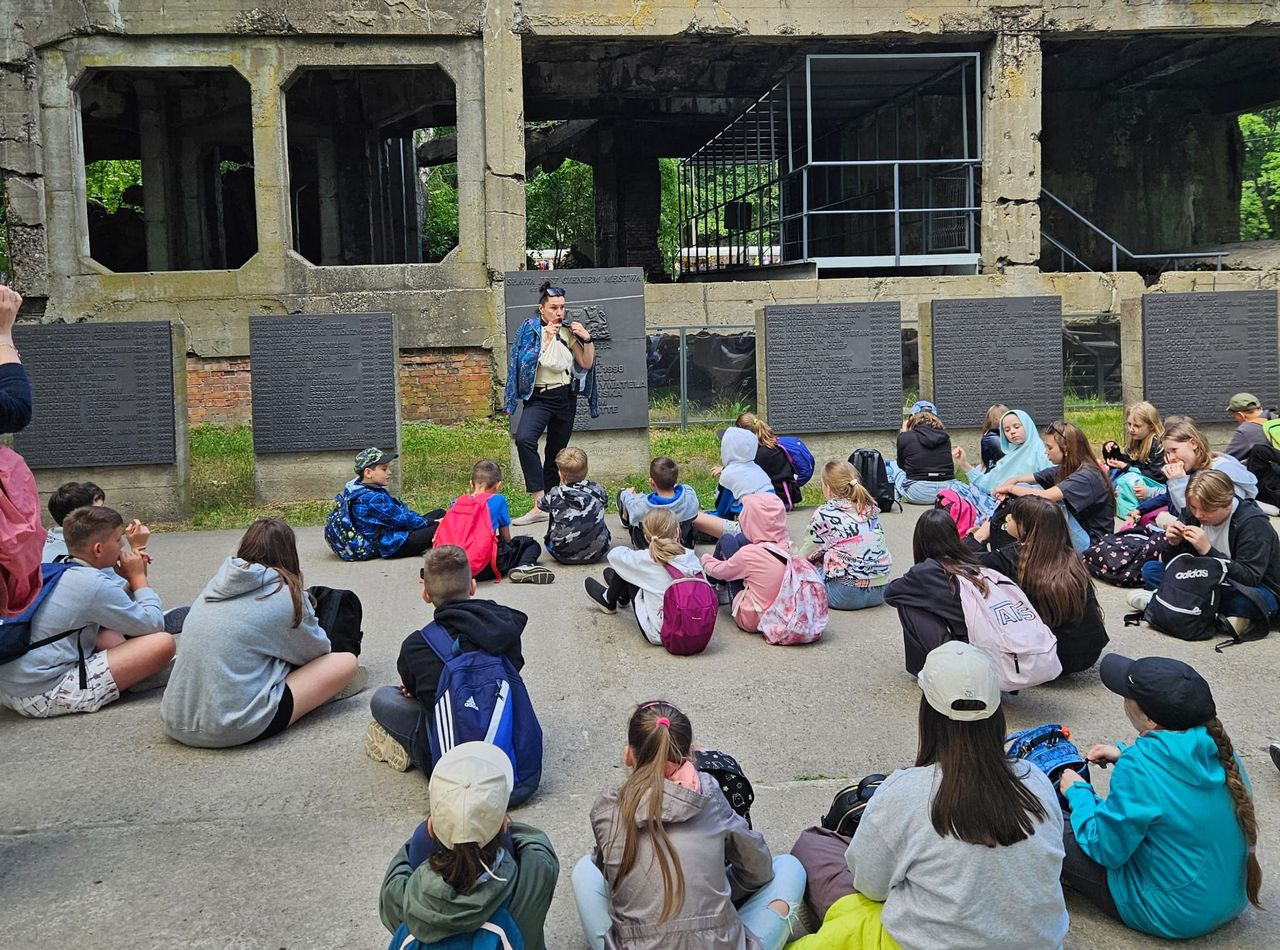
(1102, 755)
(1068, 778)
(1117, 464)
(1133, 517)
(1173, 531)
(138, 534)
(716, 470)
(958, 453)
(1174, 469)
(1140, 491)
(404, 691)
(982, 533)
(1195, 536)
(132, 566)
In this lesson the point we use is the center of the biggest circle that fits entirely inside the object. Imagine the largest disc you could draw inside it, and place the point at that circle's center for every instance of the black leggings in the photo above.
(549, 411)
(1084, 875)
(618, 592)
(420, 538)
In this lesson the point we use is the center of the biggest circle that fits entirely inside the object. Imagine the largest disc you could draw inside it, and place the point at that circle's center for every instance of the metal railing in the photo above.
(725, 361)
(1117, 248)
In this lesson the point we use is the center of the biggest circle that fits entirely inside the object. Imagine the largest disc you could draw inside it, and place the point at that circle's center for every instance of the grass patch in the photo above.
(1100, 422)
(815, 778)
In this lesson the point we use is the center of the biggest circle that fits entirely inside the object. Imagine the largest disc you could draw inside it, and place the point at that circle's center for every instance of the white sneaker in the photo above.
(1269, 509)
(354, 685)
(1139, 599)
(534, 516)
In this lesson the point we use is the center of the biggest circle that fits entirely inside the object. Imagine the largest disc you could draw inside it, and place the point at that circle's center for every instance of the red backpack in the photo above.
(468, 525)
(689, 610)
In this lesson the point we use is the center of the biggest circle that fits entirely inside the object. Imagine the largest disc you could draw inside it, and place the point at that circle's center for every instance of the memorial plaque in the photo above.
(323, 382)
(103, 394)
(833, 367)
(997, 349)
(1198, 350)
(610, 304)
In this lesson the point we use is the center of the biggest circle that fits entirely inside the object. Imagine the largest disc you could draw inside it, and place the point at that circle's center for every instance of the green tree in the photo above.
(1260, 189)
(440, 227)
(106, 181)
(669, 223)
(559, 208)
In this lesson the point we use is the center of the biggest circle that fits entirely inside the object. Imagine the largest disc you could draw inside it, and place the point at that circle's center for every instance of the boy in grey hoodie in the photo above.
(85, 670)
(668, 492)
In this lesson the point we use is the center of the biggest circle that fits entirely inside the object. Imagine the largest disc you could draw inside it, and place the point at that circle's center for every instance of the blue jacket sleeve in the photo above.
(1110, 830)
(391, 513)
(15, 398)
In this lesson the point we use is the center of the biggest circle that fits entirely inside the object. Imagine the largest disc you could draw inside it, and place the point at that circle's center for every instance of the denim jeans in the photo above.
(914, 492)
(591, 894)
(399, 715)
(1231, 603)
(842, 596)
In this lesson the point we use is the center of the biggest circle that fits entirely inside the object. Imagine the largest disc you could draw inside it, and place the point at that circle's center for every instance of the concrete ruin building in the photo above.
(891, 151)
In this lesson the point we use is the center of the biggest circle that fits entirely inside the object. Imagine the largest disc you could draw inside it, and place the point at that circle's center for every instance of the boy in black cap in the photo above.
(1170, 850)
(367, 521)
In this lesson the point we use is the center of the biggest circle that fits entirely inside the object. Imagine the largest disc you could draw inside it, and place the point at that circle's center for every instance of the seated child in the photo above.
(685, 870)
(1138, 469)
(923, 465)
(66, 499)
(739, 476)
(668, 492)
(398, 733)
(86, 670)
(367, 521)
(989, 448)
(253, 659)
(469, 864)
(772, 459)
(846, 540)
(518, 555)
(1170, 850)
(576, 532)
(640, 578)
(1186, 450)
(754, 571)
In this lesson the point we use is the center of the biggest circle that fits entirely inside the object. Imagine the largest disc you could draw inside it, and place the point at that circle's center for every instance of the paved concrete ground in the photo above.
(113, 836)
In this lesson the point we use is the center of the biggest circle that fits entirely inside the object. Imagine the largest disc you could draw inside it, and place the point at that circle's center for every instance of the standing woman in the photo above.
(540, 368)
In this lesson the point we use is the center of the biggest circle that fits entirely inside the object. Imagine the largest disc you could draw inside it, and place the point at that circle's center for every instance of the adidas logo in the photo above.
(471, 704)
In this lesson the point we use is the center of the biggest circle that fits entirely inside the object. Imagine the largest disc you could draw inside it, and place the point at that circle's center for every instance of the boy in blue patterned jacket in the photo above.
(367, 521)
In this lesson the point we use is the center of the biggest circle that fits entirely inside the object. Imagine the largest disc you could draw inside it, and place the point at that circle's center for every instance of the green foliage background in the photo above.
(1260, 191)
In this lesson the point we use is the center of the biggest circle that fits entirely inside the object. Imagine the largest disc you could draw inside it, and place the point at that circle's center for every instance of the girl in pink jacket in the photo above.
(751, 561)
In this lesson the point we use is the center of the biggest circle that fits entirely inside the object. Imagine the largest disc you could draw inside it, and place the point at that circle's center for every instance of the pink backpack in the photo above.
(1005, 627)
(961, 510)
(21, 536)
(799, 613)
(689, 610)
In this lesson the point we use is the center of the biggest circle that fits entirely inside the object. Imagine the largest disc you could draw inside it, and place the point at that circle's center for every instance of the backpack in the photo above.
(343, 538)
(800, 456)
(15, 631)
(1271, 429)
(689, 610)
(845, 813)
(1186, 604)
(499, 932)
(468, 524)
(339, 614)
(481, 698)
(961, 510)
(730, 777)
(874, 475)
(1118, 558)
(799, 613)
(21, 535)
(1005, 626)
(1050, 749)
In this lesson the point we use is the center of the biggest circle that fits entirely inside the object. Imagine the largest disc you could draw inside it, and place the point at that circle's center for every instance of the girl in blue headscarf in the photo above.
(1024, 451)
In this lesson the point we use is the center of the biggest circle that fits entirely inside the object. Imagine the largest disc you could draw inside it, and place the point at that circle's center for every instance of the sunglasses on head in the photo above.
(1056, 428)
(553, 292)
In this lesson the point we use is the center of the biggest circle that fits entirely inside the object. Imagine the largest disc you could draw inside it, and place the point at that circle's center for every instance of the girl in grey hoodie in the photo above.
(717, 886)
(252, 660)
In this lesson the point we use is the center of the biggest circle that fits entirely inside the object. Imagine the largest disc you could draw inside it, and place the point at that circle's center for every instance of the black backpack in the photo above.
(850, 802)
(874, 475)
(733, 782)
(340, 615)
(1186, 605)
(1118, 558)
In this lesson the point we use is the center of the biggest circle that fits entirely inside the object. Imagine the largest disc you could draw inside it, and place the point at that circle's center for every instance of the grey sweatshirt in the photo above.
(684, 505)
(236, 648)
(946, 894)
(87, 599)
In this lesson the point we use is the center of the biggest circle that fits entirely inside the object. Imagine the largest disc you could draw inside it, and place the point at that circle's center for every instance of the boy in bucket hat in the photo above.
(468, 867)
(367, 521)
(1170, 850)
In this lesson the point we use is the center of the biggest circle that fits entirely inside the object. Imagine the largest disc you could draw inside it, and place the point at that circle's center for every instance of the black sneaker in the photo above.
(597, 592)
(1275, 754)
(609, 576)
(531, 574)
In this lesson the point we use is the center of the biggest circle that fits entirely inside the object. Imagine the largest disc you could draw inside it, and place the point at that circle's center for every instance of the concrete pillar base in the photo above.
(151, 493)
(306, 476)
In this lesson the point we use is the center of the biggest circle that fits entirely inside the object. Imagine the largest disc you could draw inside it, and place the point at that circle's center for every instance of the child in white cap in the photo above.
(468, 867)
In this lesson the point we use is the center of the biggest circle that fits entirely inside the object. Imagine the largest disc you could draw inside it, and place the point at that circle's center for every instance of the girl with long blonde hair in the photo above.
(1138, 469)
(845, 538)
(665, 841)
(773, 458)
(1186, 450)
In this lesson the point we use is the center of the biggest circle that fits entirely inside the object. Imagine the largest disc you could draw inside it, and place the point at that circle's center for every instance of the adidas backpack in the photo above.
(499, 932)
(1186, 605)
(874, 475)
(481, 698)
(800, 456)
(799, 613)
(469, 525)
(962, 511)
(689, 610)
(1004, 626)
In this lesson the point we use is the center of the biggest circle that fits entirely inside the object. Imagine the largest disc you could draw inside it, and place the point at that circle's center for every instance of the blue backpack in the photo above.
(343, 538)
(1050, 749)
(15, 631)
(800, 456)
(499, 932)
(481, 698)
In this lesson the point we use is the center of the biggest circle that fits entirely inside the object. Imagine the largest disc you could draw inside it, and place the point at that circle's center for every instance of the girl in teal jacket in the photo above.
(1170, 850)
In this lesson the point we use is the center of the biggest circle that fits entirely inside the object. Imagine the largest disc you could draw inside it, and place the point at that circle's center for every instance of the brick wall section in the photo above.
(447, 385)
(218, 391)
(439, 385)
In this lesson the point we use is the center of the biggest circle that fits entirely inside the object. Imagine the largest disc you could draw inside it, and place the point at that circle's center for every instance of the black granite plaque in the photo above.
(103, 394)
(833, 367)
(610, 304)
(323, 382)
(1199, 349)
(997, 349)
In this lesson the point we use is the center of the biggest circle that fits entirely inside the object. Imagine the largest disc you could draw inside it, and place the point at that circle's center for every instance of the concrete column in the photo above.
(504, 173)
(327, 184)
(1012, 81)
(153, 134)
(264, 69)
(628, 196)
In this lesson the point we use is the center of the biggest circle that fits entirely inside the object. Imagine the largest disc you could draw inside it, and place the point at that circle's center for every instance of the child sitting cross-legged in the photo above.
(846, 539)
(469, 867)
(641, 578)
(398, 734)
(367, 521)
(66, 499)
(752, 571)
(668, 492)
(576, 532)
(515, 557)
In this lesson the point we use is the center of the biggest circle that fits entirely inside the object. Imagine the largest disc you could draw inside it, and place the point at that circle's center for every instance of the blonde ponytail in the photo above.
(841, 479)
(766, 436)
(662, 531)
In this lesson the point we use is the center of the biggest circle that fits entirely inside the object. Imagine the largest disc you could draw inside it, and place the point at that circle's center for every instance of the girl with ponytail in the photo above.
(675, 867)
(845, 539)
(1171, 850)
(640, 578)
